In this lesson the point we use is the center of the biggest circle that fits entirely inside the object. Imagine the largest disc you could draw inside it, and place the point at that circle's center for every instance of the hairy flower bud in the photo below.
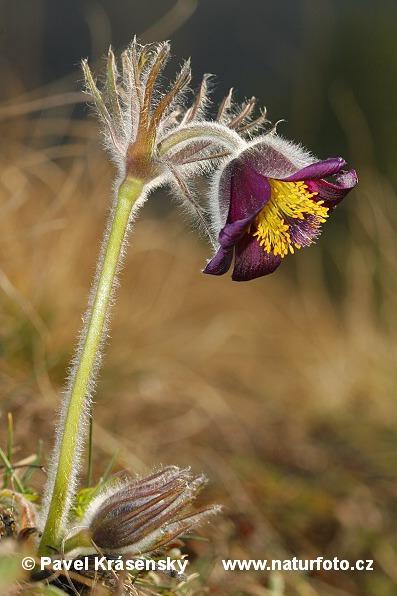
(141, 515)
(152, 135)
(140, 118)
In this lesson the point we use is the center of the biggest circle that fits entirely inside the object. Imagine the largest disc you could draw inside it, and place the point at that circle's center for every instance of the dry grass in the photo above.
(282, 390)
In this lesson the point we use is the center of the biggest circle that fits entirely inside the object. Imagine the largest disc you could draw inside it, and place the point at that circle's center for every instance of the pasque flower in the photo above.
(155, 139)
(270, 199)
(139, 516)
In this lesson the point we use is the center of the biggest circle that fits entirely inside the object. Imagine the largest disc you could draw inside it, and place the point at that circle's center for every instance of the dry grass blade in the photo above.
(43, 103)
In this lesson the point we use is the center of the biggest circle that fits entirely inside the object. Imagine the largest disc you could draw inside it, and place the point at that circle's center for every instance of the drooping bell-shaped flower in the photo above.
(269, 200)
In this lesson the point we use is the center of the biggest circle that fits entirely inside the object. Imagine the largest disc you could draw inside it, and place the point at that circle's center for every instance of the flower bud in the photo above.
(141, 515)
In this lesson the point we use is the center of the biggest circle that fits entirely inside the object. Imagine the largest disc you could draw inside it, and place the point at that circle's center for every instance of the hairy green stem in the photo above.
(72, 428)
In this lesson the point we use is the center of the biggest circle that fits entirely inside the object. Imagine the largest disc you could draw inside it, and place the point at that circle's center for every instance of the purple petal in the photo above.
(232, 232)
(228, 237)
(333, 192)
(252, 260)
(220, 263)
(320, 169)
(250, 191)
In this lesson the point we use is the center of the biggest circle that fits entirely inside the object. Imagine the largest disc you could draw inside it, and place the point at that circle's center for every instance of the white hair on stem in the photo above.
(65, 401)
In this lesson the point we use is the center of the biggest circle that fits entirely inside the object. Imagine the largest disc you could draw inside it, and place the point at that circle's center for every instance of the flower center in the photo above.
(288, 201)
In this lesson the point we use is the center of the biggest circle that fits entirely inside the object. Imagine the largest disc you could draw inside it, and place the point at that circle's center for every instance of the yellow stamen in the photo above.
(291, 200)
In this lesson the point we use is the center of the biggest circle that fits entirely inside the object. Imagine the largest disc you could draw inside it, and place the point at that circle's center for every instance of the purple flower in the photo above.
(272, 199)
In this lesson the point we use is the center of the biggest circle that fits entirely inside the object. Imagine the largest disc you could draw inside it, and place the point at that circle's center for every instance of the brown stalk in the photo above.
(245, 113)
(157, 65)
(111, 85)
(254, 123)
(200, 97)
(224, 106)
(181, 81)
(137, 70)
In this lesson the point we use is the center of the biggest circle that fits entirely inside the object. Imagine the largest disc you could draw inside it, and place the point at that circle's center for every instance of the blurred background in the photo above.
(282, 390)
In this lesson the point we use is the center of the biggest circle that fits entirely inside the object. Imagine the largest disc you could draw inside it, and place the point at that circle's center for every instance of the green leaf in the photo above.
(83, 499)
